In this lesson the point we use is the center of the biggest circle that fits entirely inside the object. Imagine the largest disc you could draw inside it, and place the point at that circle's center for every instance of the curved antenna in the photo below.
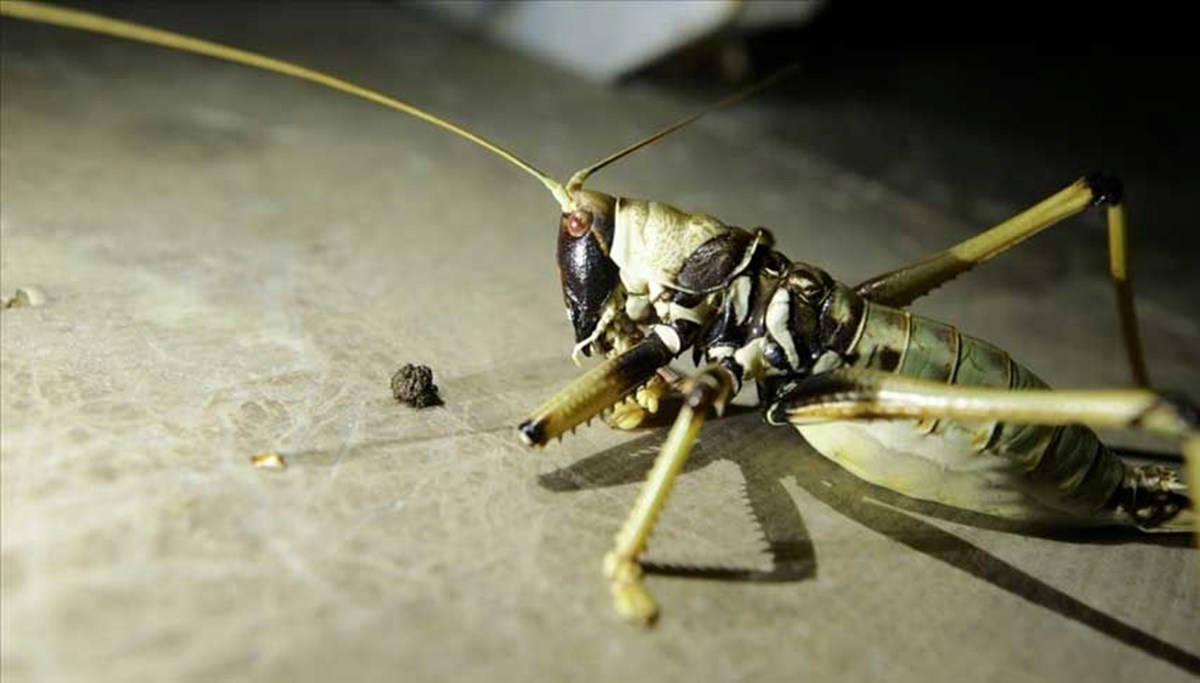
(95, 23)
(576, 181)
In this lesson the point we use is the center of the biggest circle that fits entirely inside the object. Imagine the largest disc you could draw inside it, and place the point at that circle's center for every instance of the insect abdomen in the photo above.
(1065, 468)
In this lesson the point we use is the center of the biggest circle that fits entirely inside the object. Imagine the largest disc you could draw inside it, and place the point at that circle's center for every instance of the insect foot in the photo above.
(1154, 495)
(1156, 498)
(630, 597)
(1188, 414)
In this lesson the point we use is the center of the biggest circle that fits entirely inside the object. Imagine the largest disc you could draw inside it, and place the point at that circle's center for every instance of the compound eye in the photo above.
(578, 223)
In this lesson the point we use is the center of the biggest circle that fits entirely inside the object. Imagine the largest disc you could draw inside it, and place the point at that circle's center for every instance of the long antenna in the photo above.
(576, 181)
(95, 23)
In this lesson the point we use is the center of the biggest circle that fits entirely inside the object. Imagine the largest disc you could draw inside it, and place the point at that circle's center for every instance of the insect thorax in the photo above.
(721, 291)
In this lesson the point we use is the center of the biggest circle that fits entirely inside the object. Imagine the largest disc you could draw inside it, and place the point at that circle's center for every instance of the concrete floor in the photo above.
(237, 262)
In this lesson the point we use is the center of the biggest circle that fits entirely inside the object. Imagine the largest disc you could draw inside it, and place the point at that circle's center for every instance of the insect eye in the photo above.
(578, 223)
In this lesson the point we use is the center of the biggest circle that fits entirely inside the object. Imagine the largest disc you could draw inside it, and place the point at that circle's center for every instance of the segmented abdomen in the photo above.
(1066, 467)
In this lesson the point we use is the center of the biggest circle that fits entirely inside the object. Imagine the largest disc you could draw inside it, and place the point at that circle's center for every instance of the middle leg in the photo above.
(710, 388)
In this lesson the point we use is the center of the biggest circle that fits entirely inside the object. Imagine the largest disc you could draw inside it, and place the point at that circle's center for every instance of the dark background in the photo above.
(982, 108)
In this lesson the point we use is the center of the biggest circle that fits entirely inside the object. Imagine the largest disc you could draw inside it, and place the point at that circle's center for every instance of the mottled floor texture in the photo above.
(237, 263)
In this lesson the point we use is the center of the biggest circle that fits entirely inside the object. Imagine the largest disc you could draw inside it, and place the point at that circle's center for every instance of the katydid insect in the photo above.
(900, 400)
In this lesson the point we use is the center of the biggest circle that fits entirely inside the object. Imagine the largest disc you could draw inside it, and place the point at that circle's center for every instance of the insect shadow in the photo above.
(882, 511)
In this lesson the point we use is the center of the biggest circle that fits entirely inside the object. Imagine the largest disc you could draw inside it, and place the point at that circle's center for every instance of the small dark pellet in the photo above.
(413, 384)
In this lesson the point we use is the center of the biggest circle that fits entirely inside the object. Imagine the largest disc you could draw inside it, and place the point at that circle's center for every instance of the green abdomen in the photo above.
(1013, 470)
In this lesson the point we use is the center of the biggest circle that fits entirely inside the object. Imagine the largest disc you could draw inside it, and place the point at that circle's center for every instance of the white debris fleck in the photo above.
(25, 297)
(269, 460)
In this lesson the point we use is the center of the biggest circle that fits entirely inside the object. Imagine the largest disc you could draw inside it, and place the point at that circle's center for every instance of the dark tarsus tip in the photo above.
(1106, 189)
(534, 432)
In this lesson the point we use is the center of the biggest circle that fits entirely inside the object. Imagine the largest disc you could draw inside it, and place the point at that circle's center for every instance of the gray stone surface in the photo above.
(236, 262)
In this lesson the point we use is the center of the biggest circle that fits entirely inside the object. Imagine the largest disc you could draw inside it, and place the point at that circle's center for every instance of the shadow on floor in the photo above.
(882, 511)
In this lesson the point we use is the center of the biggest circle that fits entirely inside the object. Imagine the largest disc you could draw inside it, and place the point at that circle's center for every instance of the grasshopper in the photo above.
(900, 400)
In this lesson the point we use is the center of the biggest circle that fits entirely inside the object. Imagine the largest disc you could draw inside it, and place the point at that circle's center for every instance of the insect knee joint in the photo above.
(712, 387)
(1107, 190)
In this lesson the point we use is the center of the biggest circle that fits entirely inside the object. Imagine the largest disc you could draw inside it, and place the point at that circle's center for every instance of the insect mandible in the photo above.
(900, 400)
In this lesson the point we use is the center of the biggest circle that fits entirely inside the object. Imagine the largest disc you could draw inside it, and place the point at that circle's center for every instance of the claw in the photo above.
(634, 604)
(630, 597)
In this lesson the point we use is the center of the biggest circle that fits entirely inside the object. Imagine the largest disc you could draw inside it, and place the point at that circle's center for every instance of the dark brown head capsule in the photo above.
(588, 275)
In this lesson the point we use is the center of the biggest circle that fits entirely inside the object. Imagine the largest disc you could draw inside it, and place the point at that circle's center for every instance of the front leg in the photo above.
(604, 386)
(596, 391)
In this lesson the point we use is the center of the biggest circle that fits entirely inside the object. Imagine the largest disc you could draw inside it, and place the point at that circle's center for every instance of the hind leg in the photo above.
(902, 286)
(1149, 496)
